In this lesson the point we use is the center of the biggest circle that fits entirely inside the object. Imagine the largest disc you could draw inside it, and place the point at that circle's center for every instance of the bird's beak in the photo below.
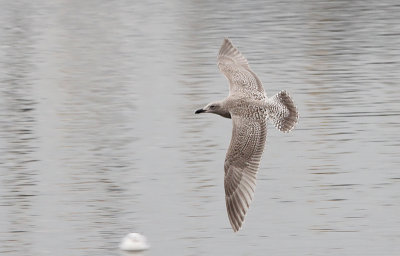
(199, 111)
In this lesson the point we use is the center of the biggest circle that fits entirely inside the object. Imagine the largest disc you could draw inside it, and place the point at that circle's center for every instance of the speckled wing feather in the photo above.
(241, 166)
(237, 70)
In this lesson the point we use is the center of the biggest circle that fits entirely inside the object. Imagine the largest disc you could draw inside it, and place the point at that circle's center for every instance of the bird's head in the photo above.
(216, 108)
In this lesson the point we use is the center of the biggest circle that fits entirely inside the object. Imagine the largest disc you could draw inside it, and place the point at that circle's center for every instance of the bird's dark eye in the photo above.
(212, 106)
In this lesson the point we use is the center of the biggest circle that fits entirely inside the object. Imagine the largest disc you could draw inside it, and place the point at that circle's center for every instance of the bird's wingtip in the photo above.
(227, 40)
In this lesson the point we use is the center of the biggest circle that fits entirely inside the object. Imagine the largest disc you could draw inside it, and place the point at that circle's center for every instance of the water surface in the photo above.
(98, 136)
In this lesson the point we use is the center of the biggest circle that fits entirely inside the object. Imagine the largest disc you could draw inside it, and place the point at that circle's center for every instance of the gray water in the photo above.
(98, 136)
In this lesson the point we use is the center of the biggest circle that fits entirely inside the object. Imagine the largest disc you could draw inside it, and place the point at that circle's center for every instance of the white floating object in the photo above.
(134, 242)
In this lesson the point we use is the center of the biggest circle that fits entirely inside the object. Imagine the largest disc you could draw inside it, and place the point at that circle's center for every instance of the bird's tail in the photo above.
(282, 111)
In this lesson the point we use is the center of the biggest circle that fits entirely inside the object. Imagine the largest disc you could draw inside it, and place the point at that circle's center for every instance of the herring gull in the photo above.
(250, 109)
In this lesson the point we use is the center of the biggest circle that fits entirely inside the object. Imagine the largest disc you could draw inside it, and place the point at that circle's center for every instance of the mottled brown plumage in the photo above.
(249, 108)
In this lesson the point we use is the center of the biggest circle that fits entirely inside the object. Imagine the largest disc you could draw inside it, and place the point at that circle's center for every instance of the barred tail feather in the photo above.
(282, 111)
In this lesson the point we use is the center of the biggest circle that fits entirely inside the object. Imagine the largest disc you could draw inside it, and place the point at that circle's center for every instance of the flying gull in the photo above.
(249, 108)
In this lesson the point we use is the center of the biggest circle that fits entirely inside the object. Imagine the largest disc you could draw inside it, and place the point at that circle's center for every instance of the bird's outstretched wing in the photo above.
(241, 166)
(237, 70)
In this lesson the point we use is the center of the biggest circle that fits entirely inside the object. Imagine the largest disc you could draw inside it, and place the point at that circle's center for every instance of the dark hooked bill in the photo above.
(199, 111)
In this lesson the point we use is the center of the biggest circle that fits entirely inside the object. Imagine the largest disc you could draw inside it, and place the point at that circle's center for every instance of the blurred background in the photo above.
(98, 136)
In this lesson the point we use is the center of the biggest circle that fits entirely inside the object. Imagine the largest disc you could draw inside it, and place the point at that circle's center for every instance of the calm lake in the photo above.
(98, 136)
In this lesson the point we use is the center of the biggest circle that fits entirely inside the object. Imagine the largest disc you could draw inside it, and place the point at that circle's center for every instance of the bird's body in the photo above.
(250, 109)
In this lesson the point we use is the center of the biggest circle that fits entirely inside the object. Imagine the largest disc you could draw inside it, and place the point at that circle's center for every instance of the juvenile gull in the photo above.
(249, 108)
